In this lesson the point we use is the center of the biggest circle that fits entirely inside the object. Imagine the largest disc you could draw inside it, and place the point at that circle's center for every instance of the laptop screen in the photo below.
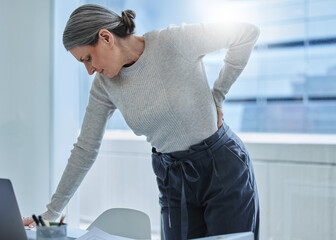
(11, 225)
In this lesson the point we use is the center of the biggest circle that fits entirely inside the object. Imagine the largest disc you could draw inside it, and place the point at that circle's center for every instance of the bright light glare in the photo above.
(221, 10)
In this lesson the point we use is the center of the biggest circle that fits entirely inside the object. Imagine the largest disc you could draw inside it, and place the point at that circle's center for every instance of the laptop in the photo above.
(11, 225)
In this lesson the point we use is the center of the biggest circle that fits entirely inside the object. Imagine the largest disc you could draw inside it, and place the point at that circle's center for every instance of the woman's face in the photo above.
(104, 57)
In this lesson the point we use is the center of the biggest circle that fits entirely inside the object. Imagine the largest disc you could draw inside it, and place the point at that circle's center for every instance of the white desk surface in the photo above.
(232, 236)
(74, 233)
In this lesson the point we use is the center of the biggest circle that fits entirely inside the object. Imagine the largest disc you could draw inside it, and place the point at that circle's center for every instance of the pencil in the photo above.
(36, 220)
(41, 221)
(61, 221)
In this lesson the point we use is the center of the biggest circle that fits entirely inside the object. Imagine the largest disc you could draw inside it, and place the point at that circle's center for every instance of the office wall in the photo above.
(296, 176)
(123, 172)
(25, 100)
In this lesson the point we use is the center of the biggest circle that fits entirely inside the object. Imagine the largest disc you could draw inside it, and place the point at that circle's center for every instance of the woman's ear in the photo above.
(106, 37)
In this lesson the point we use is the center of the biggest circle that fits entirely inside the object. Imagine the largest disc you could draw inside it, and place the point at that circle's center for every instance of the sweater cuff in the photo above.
(222, 85)
(50, 216)
(218, 97)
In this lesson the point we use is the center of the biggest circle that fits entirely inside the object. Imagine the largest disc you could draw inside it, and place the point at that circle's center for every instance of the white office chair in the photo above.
(124, 222)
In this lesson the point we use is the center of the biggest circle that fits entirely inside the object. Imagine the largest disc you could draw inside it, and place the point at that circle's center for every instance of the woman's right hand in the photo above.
(29, 222)
(219, 117)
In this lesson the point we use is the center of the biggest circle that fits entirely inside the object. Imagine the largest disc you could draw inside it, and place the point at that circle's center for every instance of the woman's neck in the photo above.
(132, 48)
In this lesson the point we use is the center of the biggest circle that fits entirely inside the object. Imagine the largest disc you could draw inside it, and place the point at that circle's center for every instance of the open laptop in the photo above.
(11, 225)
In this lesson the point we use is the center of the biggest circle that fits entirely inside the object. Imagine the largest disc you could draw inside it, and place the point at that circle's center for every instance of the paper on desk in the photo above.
(75, 232)
(97, 234)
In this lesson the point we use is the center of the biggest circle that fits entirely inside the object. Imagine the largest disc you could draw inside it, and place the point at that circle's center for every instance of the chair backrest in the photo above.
(124, 222)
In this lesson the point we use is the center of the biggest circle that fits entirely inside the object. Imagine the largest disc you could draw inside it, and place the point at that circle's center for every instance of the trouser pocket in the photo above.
(232, 164)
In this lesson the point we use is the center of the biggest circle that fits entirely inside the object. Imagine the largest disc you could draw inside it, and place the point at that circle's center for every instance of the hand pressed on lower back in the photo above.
(219, 117)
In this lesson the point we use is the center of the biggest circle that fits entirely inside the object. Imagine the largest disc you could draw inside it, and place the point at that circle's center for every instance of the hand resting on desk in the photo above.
(29, 222)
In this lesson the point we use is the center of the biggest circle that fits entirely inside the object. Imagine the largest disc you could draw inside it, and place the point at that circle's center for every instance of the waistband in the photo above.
(202, 146)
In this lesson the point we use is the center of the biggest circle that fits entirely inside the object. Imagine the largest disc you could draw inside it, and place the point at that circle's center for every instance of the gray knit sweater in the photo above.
(164, 96)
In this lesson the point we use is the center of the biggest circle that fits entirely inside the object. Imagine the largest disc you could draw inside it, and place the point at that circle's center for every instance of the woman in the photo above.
(158, 83)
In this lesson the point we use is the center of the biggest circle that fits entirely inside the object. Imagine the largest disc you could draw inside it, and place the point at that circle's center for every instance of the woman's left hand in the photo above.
(219, 117)
(28, 221)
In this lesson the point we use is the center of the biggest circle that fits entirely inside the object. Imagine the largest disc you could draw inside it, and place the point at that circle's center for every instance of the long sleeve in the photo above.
(85, 151)
(238, 38)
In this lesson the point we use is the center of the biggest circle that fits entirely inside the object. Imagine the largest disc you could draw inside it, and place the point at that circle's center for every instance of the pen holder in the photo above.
(54, 232)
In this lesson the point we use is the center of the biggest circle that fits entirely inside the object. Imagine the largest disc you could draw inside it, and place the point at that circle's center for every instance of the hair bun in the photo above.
(127, 17)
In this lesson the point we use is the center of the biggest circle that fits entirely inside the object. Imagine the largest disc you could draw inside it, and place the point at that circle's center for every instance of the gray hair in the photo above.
(86, 21)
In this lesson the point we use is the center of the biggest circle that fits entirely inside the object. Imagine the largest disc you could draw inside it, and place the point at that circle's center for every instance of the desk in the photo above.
(74, 233)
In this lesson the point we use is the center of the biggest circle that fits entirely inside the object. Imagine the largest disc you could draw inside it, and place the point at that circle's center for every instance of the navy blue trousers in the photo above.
(207, 190)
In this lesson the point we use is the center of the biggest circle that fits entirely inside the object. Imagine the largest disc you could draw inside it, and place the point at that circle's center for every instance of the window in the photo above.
(289, 83)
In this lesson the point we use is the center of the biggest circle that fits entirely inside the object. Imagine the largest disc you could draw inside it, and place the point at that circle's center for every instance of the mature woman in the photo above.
(158, 83)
